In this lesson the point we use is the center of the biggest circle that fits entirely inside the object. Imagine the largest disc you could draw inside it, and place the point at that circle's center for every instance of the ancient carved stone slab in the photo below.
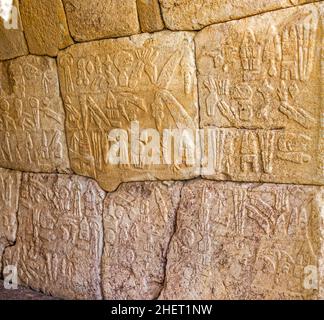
(12, 40)
(150, 15)
(118, 94)
(45, 26)
(245, 241)
(32, 116)
(260, 84)
(9, 195)
(89, 20)
(59, 240)
(194, 15)
(138, 222)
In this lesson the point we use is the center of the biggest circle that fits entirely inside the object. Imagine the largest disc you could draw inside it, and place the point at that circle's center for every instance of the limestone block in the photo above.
(194, 15)
(138, 224)
(9, 195)
(12, 39)
(59, 239)
(32, 116)
(245, 241)
(45, 26)
(150, 15)
(97, 19)
(260, 89)
(119, 96)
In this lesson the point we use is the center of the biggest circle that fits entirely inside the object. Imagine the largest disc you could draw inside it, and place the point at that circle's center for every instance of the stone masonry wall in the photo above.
(96, 202)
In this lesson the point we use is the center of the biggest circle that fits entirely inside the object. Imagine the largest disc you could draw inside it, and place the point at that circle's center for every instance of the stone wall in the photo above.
(239, 84)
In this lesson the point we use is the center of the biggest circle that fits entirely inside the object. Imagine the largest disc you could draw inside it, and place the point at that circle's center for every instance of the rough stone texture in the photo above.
(138, 224)
(194, 15)
(9, 194)
(59, 239)
(260, 83)
(111, 84)
(45, 26)
(32, 134)
(12, 41)
(150, 15)
(97, 19)
(244, 241)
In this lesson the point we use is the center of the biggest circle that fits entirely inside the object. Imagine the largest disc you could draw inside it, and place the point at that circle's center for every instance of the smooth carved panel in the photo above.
(45, 26)
(9, 194)
(148, 80)
(150, 15)
(245, 241)
(194, 15)
(32, 116)
(97, 19)
(59, 240)
(12, 39)
(260, 83)
(138, 224)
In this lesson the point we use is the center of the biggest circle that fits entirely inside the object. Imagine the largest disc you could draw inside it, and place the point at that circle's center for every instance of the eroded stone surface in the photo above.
(32, 134)
(150, 15)
(59, 239)
(194, 15)
(147, 81)
(138, 222)
(9, 195)
(245, 241)
(89, 20)
(45, 26)
(12, 40)
(260, 84)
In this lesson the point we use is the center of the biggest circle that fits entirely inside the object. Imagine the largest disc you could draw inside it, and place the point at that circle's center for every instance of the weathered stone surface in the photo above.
(138, 224)
(260, 88)
(150, 15)
(45, 26)
(32, 116)
(12, 41)
(147, 81)
(9, 194)
(245, 241)
(89, 20)
(59, 239)
(194, 15)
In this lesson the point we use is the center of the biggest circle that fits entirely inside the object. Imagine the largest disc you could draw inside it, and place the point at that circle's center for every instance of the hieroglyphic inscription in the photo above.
(148, 80)
(138, 224)
(31, 116)
(260, 84)
(59, 239)
(9, 194)
(245, 241)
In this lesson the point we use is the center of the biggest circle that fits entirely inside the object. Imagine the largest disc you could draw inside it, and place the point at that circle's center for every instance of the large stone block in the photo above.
(246, 241)
(261, 97)
(113, 90)
(45, 26)
(32, 134)
(59, 239)
(97, 19)
(139, 221)
(150, 15)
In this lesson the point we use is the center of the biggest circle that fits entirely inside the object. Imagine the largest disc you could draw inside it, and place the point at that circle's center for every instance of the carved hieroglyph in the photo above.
(12, 40)
(89, 20)
(245, 241)
(45, 26)
(194, 15)
(150, 15)
(260, 89)
(59, 238)
(9, 194)
(138, 224)
(146, 81)
(31, 116)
